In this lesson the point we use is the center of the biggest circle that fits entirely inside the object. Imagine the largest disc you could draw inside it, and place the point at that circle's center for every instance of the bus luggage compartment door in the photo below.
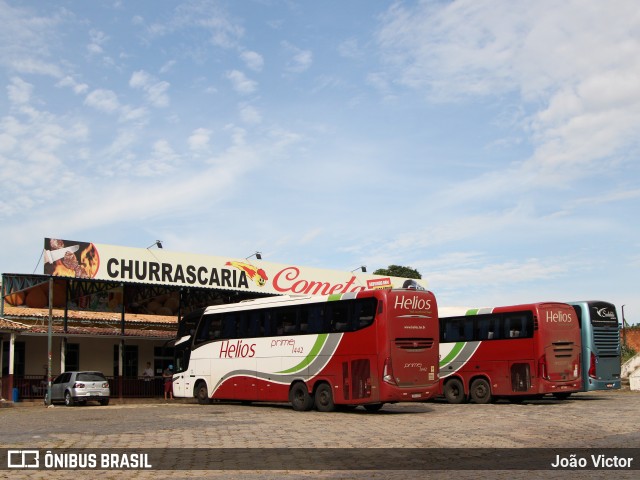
(520, 377)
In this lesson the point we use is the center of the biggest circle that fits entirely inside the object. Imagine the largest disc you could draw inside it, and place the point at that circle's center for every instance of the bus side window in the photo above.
(316, 318)
(215, 327)
(488, 327)
(364, 313)
(339, 315)
(255, 324)
(229, 326)
(243, 324)
(269, 324)
(303, 319)
(209, 328)
(515, 326)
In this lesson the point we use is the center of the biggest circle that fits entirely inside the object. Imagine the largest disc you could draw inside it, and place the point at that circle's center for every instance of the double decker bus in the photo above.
(364, 348)
(600, 345)
(513, 352)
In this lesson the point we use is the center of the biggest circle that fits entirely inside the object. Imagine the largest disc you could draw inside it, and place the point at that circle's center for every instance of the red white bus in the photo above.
(513, 352)
(365, 348)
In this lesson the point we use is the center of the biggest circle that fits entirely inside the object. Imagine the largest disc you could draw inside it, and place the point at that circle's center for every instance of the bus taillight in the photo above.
(592, 365)
(387, 372)
(542, 367)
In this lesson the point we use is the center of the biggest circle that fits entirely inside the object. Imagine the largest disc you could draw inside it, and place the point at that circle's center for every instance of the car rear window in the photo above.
(91, 377)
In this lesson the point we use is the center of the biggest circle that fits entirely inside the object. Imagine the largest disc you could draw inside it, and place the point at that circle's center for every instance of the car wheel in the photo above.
(68, 399)
(104, 402)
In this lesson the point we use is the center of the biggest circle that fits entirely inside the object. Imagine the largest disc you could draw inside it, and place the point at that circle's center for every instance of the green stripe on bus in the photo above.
(453, 353)
(334, 296)
(472, 311)
(320, 341)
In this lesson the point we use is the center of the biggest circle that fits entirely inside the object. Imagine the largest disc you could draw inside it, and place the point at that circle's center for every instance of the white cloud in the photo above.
(199, 139)
(252, 60)
(19, 91)
(241, 83)
(168, 66)
(78, 88)
(578, 79)
(98, 39)
(300, 60)
(250, 114)
(156, 91)
(103, 100)
(139, 79)
(350, 49)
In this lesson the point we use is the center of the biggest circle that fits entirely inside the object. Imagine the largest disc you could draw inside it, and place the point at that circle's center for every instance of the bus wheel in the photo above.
(562, 395)
(373, 407)
(480, 391)
(299, 397)
(202, 394)
(324, 398)
(454, 391)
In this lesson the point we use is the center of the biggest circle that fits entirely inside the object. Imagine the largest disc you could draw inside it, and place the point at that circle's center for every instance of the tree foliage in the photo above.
(399, 271)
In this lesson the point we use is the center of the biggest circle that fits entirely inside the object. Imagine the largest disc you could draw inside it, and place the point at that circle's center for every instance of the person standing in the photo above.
(168, 382)
(148, 372)
(148, 377)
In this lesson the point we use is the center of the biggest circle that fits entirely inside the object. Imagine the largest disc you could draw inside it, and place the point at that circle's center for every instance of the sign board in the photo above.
(163, 267)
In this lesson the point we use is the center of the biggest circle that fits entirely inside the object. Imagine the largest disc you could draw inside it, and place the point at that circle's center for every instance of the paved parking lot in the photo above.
(594, 420)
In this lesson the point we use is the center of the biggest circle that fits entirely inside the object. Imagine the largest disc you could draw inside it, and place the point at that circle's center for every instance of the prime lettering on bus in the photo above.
(237, 349)
(558, 317)
(288, 280)
(286, 342)
(168, 273)
(412, 303)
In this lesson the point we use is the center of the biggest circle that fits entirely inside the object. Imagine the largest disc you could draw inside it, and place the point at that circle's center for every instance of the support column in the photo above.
(12, 354)
(63, 353)
(120, 367)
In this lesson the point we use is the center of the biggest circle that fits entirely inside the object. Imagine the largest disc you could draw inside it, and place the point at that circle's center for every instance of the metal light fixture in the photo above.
(258, 255)
(157, 243)
(363, 268)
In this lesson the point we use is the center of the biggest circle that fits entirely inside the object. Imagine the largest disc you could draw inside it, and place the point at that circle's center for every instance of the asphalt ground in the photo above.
(604, 421)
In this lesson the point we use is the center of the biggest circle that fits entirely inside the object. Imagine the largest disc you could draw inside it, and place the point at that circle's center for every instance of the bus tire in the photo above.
(373, 407)
(202, 393)
(299, 397)
(561, 395)
(480, 391)
(324, 398)
(454, 391)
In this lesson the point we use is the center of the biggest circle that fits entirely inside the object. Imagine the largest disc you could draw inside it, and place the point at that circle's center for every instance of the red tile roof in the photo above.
(80, 322)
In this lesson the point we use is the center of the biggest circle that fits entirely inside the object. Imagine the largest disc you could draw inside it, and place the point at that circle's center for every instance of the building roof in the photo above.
(34, 321)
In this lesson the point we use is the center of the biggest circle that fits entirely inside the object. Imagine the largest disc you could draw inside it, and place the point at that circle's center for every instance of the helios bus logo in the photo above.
(559, 317)
(413, 302)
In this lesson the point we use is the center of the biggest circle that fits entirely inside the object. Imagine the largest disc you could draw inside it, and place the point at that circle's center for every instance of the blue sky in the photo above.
(491, 145)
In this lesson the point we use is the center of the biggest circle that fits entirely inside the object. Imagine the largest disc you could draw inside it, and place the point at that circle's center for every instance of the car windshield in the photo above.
(91, 377)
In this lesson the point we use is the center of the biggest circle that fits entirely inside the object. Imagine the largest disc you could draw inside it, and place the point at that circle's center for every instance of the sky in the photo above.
(491, 145)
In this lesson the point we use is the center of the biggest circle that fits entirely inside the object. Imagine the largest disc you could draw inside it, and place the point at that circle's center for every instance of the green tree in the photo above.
(399, 271)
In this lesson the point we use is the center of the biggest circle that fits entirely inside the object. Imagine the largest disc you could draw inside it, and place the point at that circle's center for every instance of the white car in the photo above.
(80, 387)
